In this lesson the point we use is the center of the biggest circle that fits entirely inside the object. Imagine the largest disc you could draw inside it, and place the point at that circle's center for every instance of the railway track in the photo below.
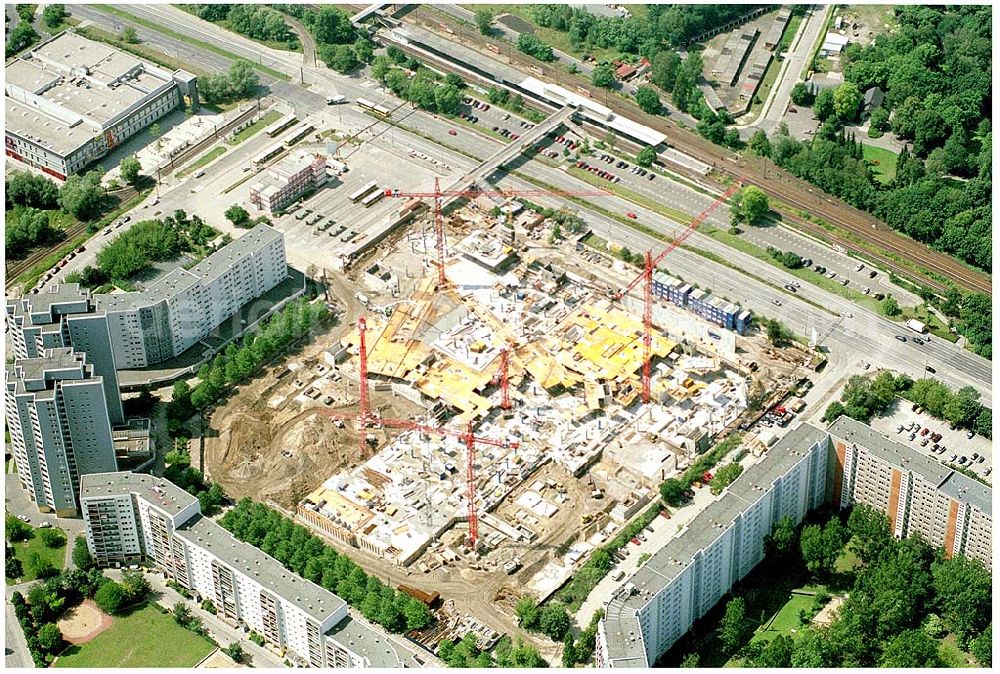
(15, 268)
(778, 183)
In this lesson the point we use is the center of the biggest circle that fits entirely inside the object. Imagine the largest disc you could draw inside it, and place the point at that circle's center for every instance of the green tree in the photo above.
(569, 651)
(532, 46)
(50, 638)
(879, 119)
(647, 99)
(111, 597)
(934, 626)
(820, 546)
(691, 660)
(448, 99)
(554, 621)
(29, 189)
(646, 156)
(672, 491)
(777, 333)
(847, 101)
(21, 37)
(243, 79)
(130, 35)
(484, 20)
(748, 205)
(912, 648)
(52, 538)
(963, 587)
(890, 307)
(665, 66)
(53, 15)
(13, 568)
(135, 585)
(759, 144)
(82, 196)
(735, 626)
(982, 647)
(783, 539)
(16, 529)
(130, 168)
(235, 651)
(81, 554)
(603, 76)
(238, 215)
(332, 25)
(963, 407)
(182, 614)
(824, 106)
(812, 650)
(363, 49)
(802, 94)
(527, 613)
(869, 531)
(39, 567)
(725, 476)
(380, 67)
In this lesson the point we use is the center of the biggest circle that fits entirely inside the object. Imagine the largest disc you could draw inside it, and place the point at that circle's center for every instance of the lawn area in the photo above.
(269, 117)
(764, 90)
(786, 620)
(144, 638)
(933, 323)
(24, 549)
(209, 156)
(557, 39)
(789, 34)
(885, 168)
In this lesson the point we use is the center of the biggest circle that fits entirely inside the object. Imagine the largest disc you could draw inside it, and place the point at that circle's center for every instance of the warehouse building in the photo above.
(131, 517)
(59, 429)
(70, 100)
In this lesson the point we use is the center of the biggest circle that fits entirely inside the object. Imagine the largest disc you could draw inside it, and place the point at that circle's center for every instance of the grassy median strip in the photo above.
(201, 44)
(269, 118)
(205, 159)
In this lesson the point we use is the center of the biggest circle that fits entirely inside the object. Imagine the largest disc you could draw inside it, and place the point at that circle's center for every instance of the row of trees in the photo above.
(786, 258)
(422, 89)
(28, 228)
(465, 653)
(45, 602)
(179, 471)
(513, 103)
(959, 408)
(346, 57)
(955, 218)
(306, 554)
(863, 398)
(237, 363)
(531, 45)
(662, 26)
(258, 22)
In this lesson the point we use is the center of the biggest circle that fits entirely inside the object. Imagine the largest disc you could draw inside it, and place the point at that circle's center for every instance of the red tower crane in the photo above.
(504, 379)
(367, 419)
(438, 193)
(647, 275)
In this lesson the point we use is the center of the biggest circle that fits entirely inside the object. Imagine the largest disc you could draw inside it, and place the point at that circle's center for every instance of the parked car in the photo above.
(953, 457)
(969, 434)
(935, 437)
(631, 215)
(925, 432)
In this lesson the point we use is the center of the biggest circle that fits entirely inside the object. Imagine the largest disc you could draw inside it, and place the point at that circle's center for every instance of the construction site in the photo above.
(488, 403)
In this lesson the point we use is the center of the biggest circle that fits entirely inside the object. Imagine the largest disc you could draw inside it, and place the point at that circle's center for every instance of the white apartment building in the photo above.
(130, 517)
(65, 316)
(689, 575)
(59, 428)
(70, 100)
(918, 494)
(185, 306)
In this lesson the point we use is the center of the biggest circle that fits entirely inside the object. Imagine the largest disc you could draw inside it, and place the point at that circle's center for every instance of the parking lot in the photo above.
(955, 442)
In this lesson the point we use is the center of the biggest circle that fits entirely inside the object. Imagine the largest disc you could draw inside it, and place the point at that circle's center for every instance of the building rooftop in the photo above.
(65, 91)
(252, 242)
(43, 307)
(949, 481)
(316, 602)
(162, 493)
(381, 650)
(34, 375)
(624, 638)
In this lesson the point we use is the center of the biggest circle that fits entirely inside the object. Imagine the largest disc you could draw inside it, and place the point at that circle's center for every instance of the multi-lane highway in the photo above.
(954, 365)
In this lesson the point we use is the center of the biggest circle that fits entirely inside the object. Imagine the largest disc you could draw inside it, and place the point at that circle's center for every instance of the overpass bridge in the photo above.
(508, 152)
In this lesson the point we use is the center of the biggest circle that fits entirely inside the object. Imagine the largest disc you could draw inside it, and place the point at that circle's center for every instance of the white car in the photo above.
(776, 302)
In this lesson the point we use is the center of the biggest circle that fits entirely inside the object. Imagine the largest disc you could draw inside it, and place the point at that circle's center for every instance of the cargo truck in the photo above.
(916, 326)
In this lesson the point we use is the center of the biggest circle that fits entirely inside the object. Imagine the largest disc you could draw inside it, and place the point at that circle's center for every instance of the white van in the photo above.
(334, 100)
(617, 575)
(199, 174)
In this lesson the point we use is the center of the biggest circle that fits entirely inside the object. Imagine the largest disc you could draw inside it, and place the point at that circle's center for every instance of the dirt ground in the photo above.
(83, 623)
(266, 444)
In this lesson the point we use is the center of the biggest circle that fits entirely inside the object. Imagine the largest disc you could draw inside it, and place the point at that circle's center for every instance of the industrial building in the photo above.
(683, 580)
(846, 464)
(186, 305)
(131, 517)
(286, 181)
(70, 100)
(57, 415)
(919, 494)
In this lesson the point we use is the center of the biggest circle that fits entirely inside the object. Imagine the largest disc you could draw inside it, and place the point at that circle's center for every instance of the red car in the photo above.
(925, 431)
(635, 540)
(632, 215)
(452, 132)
